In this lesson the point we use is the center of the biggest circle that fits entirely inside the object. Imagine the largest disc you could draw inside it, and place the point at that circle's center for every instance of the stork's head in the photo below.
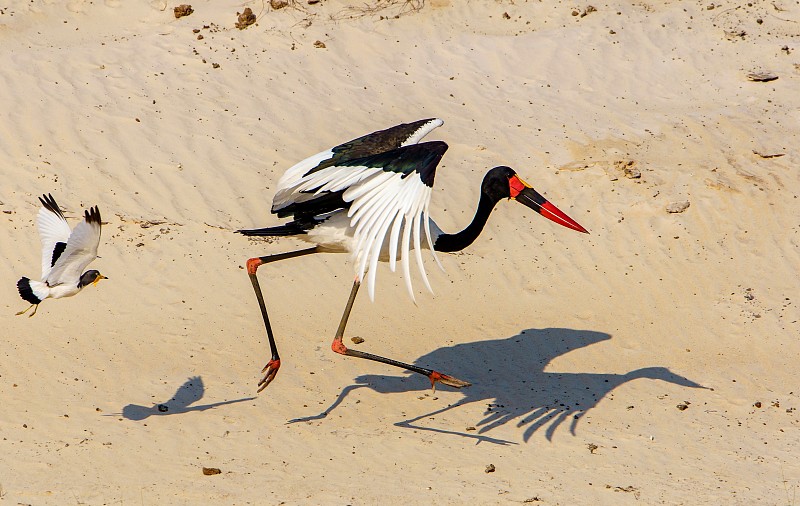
(502, 182)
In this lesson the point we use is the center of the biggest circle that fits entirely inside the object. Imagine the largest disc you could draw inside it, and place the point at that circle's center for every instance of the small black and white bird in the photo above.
(65, 253)
(369, 197)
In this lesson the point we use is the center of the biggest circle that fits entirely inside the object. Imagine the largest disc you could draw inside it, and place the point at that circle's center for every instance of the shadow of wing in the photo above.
(190, 392)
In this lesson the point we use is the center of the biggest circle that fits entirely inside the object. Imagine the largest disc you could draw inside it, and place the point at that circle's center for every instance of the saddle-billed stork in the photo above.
(369, 197)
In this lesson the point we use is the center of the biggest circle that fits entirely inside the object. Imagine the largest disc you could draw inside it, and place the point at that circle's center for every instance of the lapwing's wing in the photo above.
(81, 249)
(53, 230)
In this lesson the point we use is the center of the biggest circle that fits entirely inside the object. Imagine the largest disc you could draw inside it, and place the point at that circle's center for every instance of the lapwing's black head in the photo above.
(89, 277)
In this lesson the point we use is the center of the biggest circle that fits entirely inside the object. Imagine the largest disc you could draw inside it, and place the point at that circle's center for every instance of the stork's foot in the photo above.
(270, 370)
(446, 380)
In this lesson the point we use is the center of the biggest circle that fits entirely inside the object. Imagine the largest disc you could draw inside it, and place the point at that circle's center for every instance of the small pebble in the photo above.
(245, 19)
(762, 77)
(489, 468)
(632, 172)
(163, 408)
(678, 207)
(182, 10)
(209, 471)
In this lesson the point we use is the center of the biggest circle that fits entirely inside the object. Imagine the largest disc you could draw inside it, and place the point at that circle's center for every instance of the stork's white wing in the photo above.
(375, 143)
(386, 178)
(53, 229)
(80, 251)
(384, 201)
(380, 201)
(289, 181)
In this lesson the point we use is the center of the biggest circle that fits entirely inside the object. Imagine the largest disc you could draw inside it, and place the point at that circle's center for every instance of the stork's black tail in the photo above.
(291, 228)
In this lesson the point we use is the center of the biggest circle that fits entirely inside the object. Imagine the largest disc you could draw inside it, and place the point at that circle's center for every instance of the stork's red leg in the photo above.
(338, 346)
(271, 369)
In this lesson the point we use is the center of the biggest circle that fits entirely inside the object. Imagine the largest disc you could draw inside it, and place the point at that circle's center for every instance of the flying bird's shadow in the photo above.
(181, 402)
(509, 377)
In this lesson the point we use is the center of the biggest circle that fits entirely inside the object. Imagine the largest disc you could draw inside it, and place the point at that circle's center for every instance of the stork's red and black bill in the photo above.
(524, 194)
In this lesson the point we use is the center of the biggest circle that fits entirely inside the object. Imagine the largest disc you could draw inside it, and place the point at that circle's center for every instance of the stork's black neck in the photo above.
(460, 240)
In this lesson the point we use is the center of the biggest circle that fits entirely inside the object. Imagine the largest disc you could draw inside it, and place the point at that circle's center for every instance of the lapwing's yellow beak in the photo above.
(99, 277)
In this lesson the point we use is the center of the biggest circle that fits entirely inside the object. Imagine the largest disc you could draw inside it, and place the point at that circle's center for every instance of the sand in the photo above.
(653, 361)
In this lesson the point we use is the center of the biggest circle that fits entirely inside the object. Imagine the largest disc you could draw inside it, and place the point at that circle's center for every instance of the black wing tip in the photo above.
(58, 248)
(250, 232)
(429, 154)
(377, 142)
(25, 291)
(425, 121)
(291, 228)
(49, 203)
(435, 146)
(92, 215)
(413, 126)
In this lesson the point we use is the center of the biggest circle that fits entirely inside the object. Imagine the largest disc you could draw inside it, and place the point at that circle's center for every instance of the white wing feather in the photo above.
(398, 202)
(423, 131)
(290, 179)
(80, 251)
(380, 201)
(53, 229)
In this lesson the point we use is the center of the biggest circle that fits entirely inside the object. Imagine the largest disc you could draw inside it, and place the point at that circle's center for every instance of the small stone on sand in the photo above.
(245, 19)
(182, 10)
(678, 207)
(761, 77)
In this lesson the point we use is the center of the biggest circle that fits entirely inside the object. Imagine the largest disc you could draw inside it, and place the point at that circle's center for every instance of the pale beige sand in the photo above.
(579, 347)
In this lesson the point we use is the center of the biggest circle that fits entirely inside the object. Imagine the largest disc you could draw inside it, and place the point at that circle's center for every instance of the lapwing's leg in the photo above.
(271, 369)
(34, 306)
(338, 346)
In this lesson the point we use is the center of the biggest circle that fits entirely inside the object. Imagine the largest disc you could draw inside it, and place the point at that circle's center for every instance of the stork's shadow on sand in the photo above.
(507, 376)
(182, 401)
